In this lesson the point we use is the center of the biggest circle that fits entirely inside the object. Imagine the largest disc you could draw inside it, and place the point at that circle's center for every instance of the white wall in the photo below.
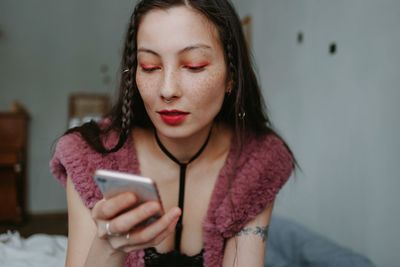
(49, 49)
(338, 112)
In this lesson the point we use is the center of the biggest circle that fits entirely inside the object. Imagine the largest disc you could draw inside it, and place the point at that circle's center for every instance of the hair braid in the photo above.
(127, 83)
(129, 87)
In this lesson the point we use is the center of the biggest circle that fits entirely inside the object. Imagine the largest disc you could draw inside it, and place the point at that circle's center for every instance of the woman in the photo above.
(190, 116)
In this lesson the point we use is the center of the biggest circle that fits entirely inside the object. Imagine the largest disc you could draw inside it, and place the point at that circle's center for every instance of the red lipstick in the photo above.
(173, 117)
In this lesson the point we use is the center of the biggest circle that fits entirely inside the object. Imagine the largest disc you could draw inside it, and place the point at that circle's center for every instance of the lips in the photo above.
(173, 117)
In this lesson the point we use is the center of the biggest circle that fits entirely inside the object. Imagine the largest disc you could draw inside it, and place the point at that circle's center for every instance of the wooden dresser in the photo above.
(13, 143)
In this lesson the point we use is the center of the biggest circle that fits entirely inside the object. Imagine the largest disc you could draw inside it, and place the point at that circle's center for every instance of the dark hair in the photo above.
(243, 109)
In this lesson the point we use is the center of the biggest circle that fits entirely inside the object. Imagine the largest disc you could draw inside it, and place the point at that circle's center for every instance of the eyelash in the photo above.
(193, 69)
(149, 69)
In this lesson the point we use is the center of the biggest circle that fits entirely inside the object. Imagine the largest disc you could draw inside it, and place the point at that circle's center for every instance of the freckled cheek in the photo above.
(206, 92)
(147, 88)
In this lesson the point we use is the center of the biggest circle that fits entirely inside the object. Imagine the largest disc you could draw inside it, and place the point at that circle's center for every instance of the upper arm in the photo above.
(247, 248)
(81, 228)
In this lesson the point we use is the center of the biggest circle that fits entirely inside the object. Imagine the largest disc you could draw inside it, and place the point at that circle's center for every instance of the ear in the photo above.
(229, 87)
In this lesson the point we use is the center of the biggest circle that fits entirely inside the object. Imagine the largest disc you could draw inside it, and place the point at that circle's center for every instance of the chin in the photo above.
(179, 131)
(175, 132)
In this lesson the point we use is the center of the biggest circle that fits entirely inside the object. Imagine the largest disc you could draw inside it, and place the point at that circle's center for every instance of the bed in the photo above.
(289, 245)
(39, 250)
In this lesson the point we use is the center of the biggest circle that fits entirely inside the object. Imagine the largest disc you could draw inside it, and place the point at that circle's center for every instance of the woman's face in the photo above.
(181, 72)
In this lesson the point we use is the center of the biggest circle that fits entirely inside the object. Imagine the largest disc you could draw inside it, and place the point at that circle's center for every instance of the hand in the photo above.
(124, 232)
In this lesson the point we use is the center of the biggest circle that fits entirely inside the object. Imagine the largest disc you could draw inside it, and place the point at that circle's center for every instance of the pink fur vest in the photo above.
(262, 169)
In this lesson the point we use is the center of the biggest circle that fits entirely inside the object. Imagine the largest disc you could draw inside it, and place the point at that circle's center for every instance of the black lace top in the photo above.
(174, 258)
(171, 259)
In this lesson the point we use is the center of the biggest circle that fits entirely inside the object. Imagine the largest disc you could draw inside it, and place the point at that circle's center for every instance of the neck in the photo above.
(183, 149)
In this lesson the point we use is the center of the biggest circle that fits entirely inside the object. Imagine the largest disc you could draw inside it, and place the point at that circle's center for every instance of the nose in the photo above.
(170, 89)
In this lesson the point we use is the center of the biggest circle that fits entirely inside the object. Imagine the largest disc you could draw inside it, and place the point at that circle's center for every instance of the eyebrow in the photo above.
(184, 50)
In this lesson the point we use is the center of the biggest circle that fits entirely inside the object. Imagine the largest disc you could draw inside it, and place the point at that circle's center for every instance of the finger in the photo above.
(109, 208)
(160, 238)
(129, 242)
(101, 229)
(129, 248)
(150, 232)
(96, 208)
(126, 221)
(134, 217)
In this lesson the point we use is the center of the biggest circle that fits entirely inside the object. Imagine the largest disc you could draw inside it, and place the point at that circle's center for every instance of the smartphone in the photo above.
(112, 183)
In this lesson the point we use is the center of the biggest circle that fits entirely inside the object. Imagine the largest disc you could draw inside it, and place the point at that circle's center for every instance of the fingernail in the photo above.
(177, 213)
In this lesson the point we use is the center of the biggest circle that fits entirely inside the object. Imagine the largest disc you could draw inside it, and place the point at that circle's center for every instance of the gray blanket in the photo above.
(291, 244)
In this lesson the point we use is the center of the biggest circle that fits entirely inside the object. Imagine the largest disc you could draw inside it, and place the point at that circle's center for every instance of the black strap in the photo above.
(182, 178)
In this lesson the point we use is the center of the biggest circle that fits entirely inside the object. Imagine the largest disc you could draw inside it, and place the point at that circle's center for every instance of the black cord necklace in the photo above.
(182, 176)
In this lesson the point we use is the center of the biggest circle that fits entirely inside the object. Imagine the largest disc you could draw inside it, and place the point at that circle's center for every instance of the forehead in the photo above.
(169, 30)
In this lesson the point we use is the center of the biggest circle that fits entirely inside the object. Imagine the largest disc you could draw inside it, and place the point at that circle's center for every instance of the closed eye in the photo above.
(196, 68)
(149, 69)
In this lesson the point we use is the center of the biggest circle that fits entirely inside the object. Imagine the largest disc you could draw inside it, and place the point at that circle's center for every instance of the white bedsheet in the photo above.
(38, 250)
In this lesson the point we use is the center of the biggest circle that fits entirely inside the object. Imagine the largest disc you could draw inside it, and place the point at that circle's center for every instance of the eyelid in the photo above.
(149, 68)
(196, 66)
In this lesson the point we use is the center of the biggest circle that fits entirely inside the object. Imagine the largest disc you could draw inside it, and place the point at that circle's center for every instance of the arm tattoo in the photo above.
(260, 231)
